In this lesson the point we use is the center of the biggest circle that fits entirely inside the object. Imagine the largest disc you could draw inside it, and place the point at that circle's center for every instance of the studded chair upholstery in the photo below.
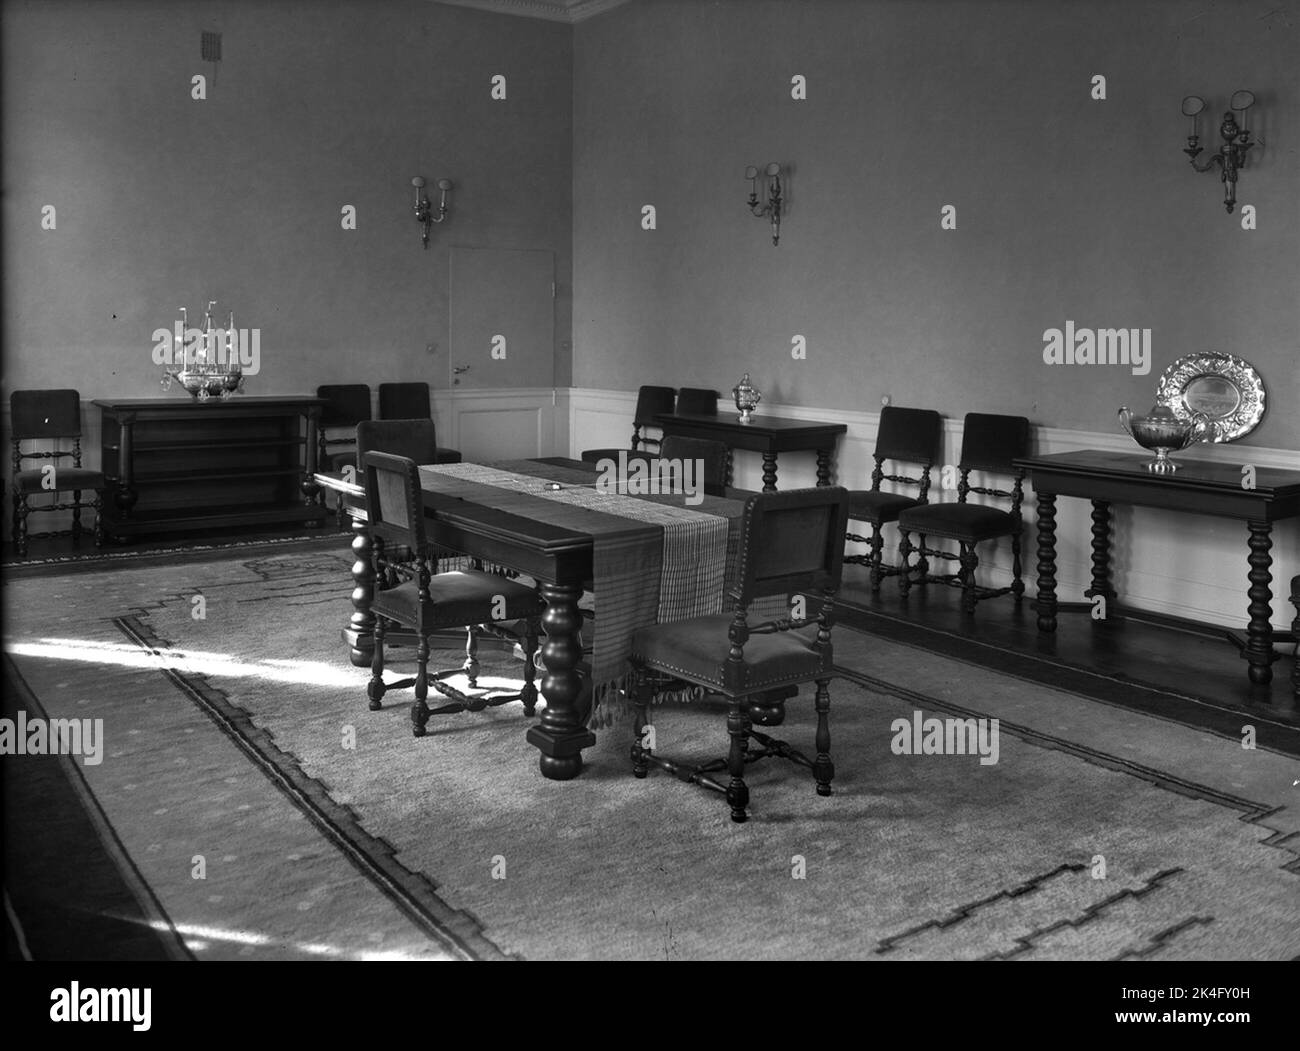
(988, 444)
(410, 401)
(912, 436)
(49, 419)
(650, 402)
(431, 602)
(697, 401)
(791, 542)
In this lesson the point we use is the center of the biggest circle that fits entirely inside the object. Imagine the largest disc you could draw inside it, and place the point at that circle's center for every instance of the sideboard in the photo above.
(175, 466)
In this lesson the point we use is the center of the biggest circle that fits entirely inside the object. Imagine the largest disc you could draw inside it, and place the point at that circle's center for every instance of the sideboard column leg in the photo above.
(1046, 561)
(1259, 632)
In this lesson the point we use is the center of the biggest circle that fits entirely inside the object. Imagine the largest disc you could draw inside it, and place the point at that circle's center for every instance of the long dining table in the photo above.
(549, 519)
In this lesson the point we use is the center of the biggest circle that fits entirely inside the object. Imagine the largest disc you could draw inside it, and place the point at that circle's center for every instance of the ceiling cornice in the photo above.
(551, 10)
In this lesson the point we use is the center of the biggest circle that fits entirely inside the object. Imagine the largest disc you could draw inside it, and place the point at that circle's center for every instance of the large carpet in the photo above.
(267, 813)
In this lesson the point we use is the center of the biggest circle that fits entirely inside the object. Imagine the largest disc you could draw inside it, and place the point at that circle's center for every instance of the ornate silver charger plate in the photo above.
(1224, 389)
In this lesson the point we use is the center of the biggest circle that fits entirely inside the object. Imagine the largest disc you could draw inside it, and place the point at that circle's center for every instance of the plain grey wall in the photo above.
(162, 200)
(1067, 208)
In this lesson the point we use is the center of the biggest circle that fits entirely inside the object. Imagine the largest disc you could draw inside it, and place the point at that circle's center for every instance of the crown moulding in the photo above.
(551, 10)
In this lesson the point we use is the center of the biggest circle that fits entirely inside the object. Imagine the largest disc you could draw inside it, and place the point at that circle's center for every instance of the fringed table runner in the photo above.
(653, 560)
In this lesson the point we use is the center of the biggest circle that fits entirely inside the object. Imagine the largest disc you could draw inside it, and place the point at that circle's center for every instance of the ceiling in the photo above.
(551, 10)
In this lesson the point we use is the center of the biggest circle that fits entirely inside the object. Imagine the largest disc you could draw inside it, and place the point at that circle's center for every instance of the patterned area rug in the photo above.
(273, 816)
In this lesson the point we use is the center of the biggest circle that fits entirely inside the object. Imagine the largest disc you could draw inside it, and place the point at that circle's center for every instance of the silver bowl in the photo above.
(1163, 433)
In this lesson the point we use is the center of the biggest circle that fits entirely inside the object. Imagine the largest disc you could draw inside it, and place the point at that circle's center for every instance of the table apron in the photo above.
(1244, 506)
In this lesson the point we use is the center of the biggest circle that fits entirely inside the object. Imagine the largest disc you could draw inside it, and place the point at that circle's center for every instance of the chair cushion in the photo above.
(66, 478)
(444, 455)
(963, 522)
(458, 598)
(696, 650)
(878, 507)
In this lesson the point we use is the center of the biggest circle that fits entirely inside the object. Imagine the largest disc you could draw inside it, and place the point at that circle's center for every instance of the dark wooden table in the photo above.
(1198, 487)
(559, 559)
(175, 464)
(768, 435)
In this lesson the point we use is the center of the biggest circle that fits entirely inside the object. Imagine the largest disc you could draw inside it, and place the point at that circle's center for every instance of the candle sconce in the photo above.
(424, 210)
(772, 207)
(1231, 156)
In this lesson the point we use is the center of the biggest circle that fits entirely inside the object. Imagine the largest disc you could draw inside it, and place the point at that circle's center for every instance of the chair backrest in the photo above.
(712, 455)
(792, 541)
(394, 503)
(990, 443)
(404, 401)
(44, 416)
(414, 439)
(908, 436)
(346, 404)
(696, 401)
(36, 414)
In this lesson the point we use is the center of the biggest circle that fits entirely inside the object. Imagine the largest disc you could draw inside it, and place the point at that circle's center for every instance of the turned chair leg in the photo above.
(76, 518)
(21, 511)
(529, 693)
(1017, 584)
(968, 561)
(640, 691)
(904, 563)
(877, 543)
(471, 665)
(420, 707)
(738, 726)
(823, 768)
(375, 689)
(98, 505)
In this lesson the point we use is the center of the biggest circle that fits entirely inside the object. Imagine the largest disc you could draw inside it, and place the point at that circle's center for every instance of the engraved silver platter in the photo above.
(1224, 389)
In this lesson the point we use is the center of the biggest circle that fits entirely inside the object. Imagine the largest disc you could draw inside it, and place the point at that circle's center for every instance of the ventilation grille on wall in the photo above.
(211, 46)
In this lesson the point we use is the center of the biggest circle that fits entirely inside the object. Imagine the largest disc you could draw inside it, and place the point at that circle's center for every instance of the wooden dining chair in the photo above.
(410, 401)
(791, 542)
(1295, 630)
(51, 419)
(990, 444)
(906, 436)
(650, 402)
(433, 602)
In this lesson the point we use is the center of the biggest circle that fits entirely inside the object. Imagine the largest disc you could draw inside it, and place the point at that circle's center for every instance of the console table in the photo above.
(768, 435)
(1197, 486)
(174, 465)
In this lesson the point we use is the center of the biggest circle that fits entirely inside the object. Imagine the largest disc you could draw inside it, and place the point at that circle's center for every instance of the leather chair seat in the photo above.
(442, 455)
(968, 523)
(868, 506)
(596, 455)
(66, 479)
(690, 648)
(458, 598)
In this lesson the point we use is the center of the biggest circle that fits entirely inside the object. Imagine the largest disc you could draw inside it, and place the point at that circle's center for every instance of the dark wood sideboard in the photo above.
(175, 466)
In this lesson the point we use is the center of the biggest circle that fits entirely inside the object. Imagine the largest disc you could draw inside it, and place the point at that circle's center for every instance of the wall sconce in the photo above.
(1231, 157)
(424, 209)
(773, 206)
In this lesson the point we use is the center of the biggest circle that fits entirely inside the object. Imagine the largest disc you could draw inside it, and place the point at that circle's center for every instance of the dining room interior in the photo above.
(443, 523)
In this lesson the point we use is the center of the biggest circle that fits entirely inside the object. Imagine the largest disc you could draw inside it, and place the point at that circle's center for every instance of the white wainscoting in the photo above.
(1182, 565)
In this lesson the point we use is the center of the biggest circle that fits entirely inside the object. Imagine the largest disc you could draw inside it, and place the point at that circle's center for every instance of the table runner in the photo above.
(693, 548)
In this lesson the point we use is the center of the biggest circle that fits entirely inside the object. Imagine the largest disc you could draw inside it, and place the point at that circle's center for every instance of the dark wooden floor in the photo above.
(1183, 671)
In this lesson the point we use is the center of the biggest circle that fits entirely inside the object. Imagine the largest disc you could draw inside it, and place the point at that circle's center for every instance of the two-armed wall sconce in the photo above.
(1231, 157)
(772, 207)
(424, 209)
